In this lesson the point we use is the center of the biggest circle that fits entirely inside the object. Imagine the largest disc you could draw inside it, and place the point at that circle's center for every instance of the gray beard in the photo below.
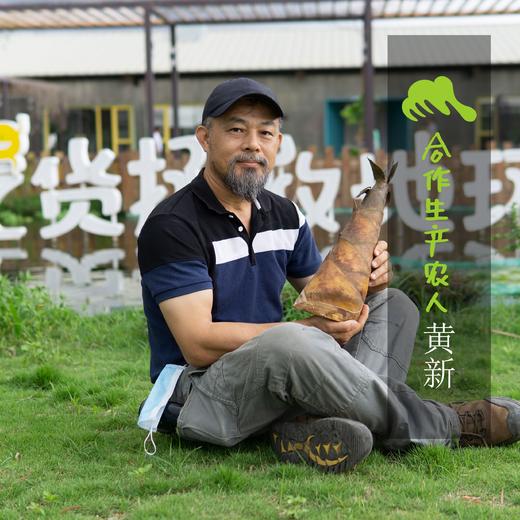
(249, 183)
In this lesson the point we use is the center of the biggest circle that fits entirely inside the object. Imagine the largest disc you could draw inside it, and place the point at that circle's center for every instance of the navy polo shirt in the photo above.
(190, 242)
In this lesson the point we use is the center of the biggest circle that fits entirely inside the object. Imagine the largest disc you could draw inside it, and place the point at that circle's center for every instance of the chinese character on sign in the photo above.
(279, 180)
(88, 286)
(438, 149)
(512, 173)
(439, 337)
(434, 300)
(436, 237)
(319, 211)
(435, 274)
(197, 159)
(84, 172)
(434, 212)
(14, 145)
(422, 96)
(440, 179)
(146, 168)
(414, 174)
(437, 372)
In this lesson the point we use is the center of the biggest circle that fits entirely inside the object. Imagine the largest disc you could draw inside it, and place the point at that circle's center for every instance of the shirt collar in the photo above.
(264, 200)
(202, 190)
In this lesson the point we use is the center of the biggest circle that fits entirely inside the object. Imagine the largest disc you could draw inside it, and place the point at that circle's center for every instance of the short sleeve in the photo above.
(305, 258)
(171, 258)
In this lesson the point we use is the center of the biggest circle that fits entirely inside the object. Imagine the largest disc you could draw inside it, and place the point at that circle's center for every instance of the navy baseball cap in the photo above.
(229, 92)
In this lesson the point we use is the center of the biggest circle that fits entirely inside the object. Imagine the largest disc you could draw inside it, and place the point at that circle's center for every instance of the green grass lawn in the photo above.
(70, 447)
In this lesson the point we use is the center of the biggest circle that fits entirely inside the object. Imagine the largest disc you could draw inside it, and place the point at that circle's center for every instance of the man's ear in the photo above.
(202, 135)
(280, 139)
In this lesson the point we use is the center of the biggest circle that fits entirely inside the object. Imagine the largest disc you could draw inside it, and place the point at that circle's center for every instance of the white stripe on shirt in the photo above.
(273, 240)
(230, 249)
(301, 217)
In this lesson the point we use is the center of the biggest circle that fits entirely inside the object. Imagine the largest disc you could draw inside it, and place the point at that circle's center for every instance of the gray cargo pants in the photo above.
(292, 369)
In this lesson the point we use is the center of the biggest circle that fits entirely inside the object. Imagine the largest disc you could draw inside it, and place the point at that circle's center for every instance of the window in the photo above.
(484, 128)
(105, 126)
(189, 117)
(496, 120)
(508, 112)
(81, 122)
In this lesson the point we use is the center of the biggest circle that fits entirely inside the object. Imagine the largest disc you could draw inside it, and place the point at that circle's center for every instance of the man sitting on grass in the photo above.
(214, 258)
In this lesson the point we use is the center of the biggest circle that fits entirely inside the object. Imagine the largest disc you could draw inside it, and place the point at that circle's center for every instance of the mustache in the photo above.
(244, 157)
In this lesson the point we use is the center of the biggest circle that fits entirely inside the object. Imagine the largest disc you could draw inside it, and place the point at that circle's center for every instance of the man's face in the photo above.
(242, 145)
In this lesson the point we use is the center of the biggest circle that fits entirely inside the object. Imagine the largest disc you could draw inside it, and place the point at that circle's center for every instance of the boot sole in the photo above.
(331, 445)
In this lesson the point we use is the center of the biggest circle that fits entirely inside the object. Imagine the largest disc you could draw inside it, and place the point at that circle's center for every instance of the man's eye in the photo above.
(267, 133)
(236, 130)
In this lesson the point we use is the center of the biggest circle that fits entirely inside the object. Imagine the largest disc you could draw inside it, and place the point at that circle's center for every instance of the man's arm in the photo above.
(299, 283)
(201, 340)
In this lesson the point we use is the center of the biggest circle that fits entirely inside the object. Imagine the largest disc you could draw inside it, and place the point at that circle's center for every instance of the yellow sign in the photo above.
(9, 140)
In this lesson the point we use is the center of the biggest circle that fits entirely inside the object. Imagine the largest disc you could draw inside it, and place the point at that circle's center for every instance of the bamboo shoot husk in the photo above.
(339, 288)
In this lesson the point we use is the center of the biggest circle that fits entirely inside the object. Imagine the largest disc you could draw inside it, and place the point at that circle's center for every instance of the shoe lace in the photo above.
(472, 424)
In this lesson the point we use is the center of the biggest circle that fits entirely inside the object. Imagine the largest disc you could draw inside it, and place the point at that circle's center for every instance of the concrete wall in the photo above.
(302, 94)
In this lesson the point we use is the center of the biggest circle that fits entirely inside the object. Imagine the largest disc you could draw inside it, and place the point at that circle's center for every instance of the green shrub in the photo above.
(8, 218)
(289, 295)
(32, 324)
(23, 310)
(511, 230)
(25, 209)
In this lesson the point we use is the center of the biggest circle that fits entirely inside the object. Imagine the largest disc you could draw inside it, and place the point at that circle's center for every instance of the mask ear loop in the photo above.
(150, 436)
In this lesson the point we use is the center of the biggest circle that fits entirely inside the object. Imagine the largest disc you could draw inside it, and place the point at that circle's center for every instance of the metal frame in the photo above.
(147, 13)
(134, 10)
(115, 136)
(149, 77)
(368, 79)
(150, 13)
(165, 127)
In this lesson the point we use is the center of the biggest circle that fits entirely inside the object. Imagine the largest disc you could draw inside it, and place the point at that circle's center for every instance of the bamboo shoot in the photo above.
(339, 288)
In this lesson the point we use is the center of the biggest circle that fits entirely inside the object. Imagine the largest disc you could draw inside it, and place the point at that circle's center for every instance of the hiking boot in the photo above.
(332, 444)
(490, 422)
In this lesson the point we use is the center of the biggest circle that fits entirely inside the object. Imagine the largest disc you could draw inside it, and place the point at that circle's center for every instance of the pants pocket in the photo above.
(208, 420)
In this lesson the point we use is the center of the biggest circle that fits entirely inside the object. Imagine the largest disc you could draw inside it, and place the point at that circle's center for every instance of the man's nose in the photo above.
(251, 141)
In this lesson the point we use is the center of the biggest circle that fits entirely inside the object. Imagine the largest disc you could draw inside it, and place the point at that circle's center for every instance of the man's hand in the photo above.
(341, 331)
(381, 268)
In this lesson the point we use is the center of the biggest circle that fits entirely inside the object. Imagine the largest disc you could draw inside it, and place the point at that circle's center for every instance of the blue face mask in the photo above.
(157, 400)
